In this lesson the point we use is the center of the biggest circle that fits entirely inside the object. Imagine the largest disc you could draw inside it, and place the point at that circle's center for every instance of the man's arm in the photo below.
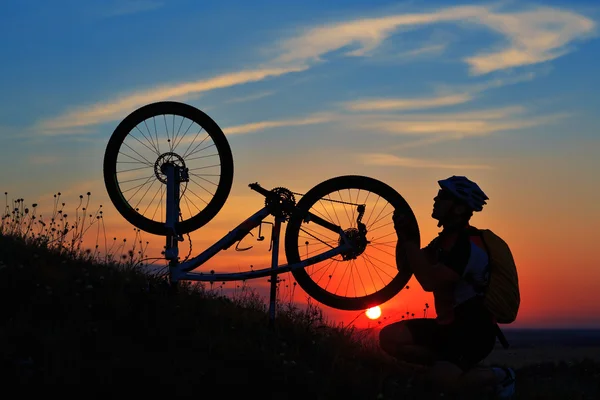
(430, 276)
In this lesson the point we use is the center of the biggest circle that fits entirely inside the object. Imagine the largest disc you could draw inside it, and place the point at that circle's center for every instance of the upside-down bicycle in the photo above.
(340, 242)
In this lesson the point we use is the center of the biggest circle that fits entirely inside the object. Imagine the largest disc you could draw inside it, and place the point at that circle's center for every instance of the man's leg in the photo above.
(398, 340)
(450, 378)
(469, 342)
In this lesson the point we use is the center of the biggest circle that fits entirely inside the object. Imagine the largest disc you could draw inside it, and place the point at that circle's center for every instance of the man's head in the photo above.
(456, 201)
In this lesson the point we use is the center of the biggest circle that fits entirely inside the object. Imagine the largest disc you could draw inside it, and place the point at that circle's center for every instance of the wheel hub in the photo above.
(358, 241)
(167, 159)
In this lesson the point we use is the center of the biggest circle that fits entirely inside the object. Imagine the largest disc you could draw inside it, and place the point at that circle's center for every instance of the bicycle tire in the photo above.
(295, 224)
(176, 109)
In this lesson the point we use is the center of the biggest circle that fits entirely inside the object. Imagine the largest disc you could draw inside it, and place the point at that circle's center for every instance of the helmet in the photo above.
(465, 190)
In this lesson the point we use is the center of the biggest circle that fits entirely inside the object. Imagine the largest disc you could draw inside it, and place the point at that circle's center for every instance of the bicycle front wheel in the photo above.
(367, 275)
(158, 134)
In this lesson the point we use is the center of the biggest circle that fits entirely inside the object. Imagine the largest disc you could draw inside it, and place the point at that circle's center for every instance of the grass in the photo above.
(71, 315)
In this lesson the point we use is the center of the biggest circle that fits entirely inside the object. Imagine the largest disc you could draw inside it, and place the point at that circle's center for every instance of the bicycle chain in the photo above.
(333, 201)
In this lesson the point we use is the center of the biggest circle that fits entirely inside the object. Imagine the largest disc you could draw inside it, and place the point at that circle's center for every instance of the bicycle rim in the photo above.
(167, 132)
(373, 275)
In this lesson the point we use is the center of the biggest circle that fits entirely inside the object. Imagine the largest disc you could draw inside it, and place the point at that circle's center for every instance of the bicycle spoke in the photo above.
(153, 197)
(323, 267)
(159, 205)
(381, 262)
(146, 162)
(187, 203)
(204, 179)
(369, 273)
(178, 130)
(156, 134)
(375, 269)
(192, 192)
(312, 232)
(201, 157)
(314, 237)
(153, 149)
(202, 187)
(326, 268)
(379, 247)
(137, 179)
(196, 150)
(185, 153)
(186, 131)
(169, 140)
(151, 140)
(144, 158)
(129, 170)
(341, 281)
(145, 193)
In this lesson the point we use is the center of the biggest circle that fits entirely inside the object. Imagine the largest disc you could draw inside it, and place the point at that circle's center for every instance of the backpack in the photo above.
(501, 296)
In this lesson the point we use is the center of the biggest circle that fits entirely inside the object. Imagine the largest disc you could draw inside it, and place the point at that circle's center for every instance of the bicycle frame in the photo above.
(181, 271)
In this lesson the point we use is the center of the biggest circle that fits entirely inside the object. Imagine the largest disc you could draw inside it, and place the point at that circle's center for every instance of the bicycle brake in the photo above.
(237, 248)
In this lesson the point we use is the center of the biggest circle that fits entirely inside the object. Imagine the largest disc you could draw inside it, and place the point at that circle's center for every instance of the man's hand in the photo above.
(404, 224)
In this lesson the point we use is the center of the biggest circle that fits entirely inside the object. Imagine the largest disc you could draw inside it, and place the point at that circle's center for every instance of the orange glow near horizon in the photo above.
(557, 289)
(558, 272)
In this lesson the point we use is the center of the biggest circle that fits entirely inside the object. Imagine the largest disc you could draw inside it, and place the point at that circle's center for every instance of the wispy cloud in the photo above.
(116, 109)
(428, 129)
(447, 96)
(424, 50)
(408, 103)
(390, 160)
(476, 88)
(259, 126)
(127, 7)
(250, 97)
(533, 36)
(469, 123)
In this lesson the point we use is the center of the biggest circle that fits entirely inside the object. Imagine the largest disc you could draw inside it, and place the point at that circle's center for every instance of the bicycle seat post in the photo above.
(274, 264)
(172, 173)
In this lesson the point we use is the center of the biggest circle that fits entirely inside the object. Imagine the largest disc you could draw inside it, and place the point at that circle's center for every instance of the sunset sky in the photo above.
(409, 92)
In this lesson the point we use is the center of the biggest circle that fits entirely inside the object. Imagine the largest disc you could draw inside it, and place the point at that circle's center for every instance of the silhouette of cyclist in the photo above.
(463, 333)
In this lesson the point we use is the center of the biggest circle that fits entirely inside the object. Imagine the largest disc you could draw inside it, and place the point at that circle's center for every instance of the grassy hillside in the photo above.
(78, 321)
(68, 317)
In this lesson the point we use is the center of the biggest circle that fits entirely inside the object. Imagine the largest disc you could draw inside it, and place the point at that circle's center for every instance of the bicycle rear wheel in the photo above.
(369, 274)
(160, 133)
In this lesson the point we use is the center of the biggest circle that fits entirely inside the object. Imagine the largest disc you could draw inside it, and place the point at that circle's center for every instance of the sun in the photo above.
(373, 312)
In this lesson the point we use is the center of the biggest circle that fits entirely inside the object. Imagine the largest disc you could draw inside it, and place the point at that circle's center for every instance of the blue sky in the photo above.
(408, 92)
(311, 61)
